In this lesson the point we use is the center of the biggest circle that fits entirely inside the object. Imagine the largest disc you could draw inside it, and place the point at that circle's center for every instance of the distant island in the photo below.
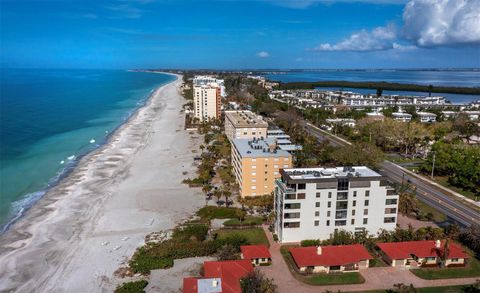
(380, 85)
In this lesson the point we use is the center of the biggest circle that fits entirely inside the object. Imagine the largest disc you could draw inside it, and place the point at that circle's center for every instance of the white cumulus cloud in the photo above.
(432, 23)
(380, 38)
(263, 54)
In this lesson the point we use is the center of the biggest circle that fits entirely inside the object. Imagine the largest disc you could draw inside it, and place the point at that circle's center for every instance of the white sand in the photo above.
(117, 195)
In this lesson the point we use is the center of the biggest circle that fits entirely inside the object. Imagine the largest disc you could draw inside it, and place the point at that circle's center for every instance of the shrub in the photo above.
(310, 242)
(275, 237)
(132, 287)
(235, 240)
(199, 231)
(227, 252)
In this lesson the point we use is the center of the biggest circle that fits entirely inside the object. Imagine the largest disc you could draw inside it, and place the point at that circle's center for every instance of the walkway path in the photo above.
(375, 278)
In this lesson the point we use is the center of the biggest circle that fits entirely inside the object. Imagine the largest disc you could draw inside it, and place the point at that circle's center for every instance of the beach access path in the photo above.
(88, 226)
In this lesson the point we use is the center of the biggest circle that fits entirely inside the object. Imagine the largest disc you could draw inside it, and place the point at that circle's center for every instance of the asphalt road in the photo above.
(426, 192)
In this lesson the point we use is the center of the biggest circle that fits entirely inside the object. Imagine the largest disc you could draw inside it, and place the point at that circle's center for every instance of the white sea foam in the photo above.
(92, 141)
(71, 158)
(62, 162)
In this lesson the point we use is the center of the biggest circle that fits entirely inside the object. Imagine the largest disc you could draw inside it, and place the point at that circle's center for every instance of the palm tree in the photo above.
(445, 253)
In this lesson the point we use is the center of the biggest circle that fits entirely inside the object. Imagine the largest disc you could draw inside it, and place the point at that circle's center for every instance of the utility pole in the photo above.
(433, 164)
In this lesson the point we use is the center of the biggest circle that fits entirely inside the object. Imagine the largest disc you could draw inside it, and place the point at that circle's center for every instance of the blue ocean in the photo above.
(51, 118)
(460, 78)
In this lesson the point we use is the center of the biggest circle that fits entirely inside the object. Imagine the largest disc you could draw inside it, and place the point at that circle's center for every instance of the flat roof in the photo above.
(336, 172)
(426, 114)
(258, 148)
(401, 114)
(245, 119)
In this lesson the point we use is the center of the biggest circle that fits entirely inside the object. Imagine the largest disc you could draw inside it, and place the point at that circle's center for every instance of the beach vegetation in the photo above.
(132, 287)
(228, 252)
(252, 236)
(247, 221)
(213, 212)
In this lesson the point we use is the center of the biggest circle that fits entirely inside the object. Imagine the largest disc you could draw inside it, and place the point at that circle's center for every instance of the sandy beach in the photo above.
(85, 228)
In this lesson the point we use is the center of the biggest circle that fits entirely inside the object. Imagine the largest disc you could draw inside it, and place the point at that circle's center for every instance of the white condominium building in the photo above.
(206, 102)
(244, 124)
(211, 81)
(311, 203)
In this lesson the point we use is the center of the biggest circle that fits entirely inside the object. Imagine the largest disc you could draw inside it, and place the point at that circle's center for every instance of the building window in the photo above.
(366, 203)
(317, 214)
(365, 221)
(291, 225)
(290, 196)
(354, 194)
(329, 195)
(342, 195)
(390, 210)
(328, 222)
(365, 212)
(342, 184)
(367, 193)
(291, 215)
(254, 187)
(329, 204)
(391, 201)
(300, 195)
(328, 213)
(318, 195)
(316, 223)
(341, 223)
(353, 212)
(301, 186)
(354, 203)
(352, 222)
(389, 220)
(290, 206)
(317, 204)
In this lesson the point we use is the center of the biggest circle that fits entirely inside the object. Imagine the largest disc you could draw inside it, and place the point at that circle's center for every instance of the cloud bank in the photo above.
(426, 23)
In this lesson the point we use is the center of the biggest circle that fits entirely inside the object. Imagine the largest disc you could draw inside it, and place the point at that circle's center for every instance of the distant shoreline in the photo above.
(394, 86)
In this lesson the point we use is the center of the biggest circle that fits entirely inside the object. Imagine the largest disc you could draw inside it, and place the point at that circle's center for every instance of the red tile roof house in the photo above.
(257, 254)
(219, 276)
(421, 253)
(329, 259)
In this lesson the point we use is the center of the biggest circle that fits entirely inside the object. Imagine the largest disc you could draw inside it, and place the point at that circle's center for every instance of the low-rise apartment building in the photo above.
(311, 203)
(402, 116)
(256, 164)
(244, 124)
(427, 117)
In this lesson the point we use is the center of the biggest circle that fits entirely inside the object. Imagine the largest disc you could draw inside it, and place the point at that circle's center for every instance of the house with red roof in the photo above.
(421, 253)
(328, 259)
(219, 277)
(257, 254)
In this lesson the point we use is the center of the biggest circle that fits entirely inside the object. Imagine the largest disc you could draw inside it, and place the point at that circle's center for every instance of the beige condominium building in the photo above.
(244, 124)
(256, 164)
(206, 102)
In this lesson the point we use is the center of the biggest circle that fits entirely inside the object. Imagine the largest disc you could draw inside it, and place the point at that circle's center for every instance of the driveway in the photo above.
(375, 278)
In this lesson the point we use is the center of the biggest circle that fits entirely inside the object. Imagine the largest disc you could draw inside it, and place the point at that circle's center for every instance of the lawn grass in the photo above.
(213, 212)
(437, 215)
(319, 279)
(254, 235)
(249, 221)
(471, 270)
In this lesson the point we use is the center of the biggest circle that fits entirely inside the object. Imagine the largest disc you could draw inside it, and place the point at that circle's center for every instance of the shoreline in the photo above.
(88, 225)
(33, 197)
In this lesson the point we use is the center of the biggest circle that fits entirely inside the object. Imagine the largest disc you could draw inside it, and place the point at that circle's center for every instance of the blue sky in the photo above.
(240, 34)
